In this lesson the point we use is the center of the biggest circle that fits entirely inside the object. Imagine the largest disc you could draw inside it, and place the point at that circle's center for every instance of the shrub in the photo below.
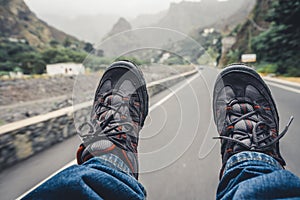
(267, 68)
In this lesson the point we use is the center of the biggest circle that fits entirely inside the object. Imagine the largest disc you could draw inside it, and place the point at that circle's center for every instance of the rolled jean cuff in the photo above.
(114, 162)
(251, 156)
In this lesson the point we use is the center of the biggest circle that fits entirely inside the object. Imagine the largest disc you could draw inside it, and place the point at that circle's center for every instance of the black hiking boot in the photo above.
(245, 114)
(118, 114)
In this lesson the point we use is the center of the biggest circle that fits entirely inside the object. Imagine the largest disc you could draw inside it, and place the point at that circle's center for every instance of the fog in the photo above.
(128, 8)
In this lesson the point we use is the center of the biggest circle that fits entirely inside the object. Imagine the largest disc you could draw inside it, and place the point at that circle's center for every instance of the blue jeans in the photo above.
(101, 178)
(247, 175)
(253, 175)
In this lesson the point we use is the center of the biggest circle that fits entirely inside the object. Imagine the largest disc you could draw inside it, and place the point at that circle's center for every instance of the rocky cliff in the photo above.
(18, 22)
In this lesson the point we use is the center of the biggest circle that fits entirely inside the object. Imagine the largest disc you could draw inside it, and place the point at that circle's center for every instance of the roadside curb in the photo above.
(24, 138)
(281, 81)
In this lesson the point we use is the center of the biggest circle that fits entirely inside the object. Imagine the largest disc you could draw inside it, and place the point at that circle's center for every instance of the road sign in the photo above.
(246, 58)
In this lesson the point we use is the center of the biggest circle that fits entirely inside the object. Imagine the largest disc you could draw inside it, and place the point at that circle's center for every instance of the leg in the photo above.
(94, 179)
(253, 175)
(247, 121)
(108, 165)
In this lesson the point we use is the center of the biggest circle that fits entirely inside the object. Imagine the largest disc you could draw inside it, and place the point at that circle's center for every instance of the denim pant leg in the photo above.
(95, 179)
(253, 175)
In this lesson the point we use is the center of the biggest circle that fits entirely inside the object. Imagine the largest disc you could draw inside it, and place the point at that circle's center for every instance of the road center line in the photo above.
(153, 107)
(173, 92)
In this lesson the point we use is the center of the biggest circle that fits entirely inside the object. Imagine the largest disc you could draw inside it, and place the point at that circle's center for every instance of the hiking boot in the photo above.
(245, 114)
(118, 114)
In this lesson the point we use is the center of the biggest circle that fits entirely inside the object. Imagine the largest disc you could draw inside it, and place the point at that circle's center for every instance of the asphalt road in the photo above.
(178, 158)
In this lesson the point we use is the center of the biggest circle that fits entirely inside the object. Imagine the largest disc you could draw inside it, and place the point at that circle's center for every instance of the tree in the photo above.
(54, 43)
(16, 56)
(67, 42)
(88, 47)
(281, 42)
(57, 55)
(31, 63)
(20, 57)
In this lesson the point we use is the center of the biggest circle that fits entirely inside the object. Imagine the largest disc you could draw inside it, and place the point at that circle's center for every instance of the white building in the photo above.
(65, 69)
(164, 57)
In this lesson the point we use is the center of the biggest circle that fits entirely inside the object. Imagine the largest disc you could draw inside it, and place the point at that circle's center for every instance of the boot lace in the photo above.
(261, 138)
(110, 127)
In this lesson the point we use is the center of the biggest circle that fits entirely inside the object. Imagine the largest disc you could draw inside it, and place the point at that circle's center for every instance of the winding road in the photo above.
(178, 157)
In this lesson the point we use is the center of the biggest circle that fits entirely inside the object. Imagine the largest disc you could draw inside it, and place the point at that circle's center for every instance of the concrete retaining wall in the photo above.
(22, 139)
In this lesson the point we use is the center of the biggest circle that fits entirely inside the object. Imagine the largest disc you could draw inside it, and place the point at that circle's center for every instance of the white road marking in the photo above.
(154, 106)
(276, 80)
(283, 87)
(173, 92)
(73, 162)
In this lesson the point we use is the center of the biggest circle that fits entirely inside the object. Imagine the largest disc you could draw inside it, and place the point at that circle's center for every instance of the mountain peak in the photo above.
(121, 25)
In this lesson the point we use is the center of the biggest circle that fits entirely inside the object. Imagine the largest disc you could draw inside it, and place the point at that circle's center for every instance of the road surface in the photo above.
(178, 158)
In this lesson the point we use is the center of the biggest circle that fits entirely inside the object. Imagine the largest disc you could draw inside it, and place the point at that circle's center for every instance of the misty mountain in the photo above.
(121, 25)
(18, 22)
(186, 15)
(183, 16)
(148, 19)
(90, 28)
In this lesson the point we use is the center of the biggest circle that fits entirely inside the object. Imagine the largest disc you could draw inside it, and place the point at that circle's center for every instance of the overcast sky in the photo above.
(126, 8)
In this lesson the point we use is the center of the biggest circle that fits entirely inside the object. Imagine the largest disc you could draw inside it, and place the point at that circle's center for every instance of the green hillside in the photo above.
(27, 43)
(273, 33)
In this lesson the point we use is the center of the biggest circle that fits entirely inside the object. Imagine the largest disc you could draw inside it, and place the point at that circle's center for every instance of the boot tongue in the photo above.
(110, 114)
(243, 127)
(242, 108)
